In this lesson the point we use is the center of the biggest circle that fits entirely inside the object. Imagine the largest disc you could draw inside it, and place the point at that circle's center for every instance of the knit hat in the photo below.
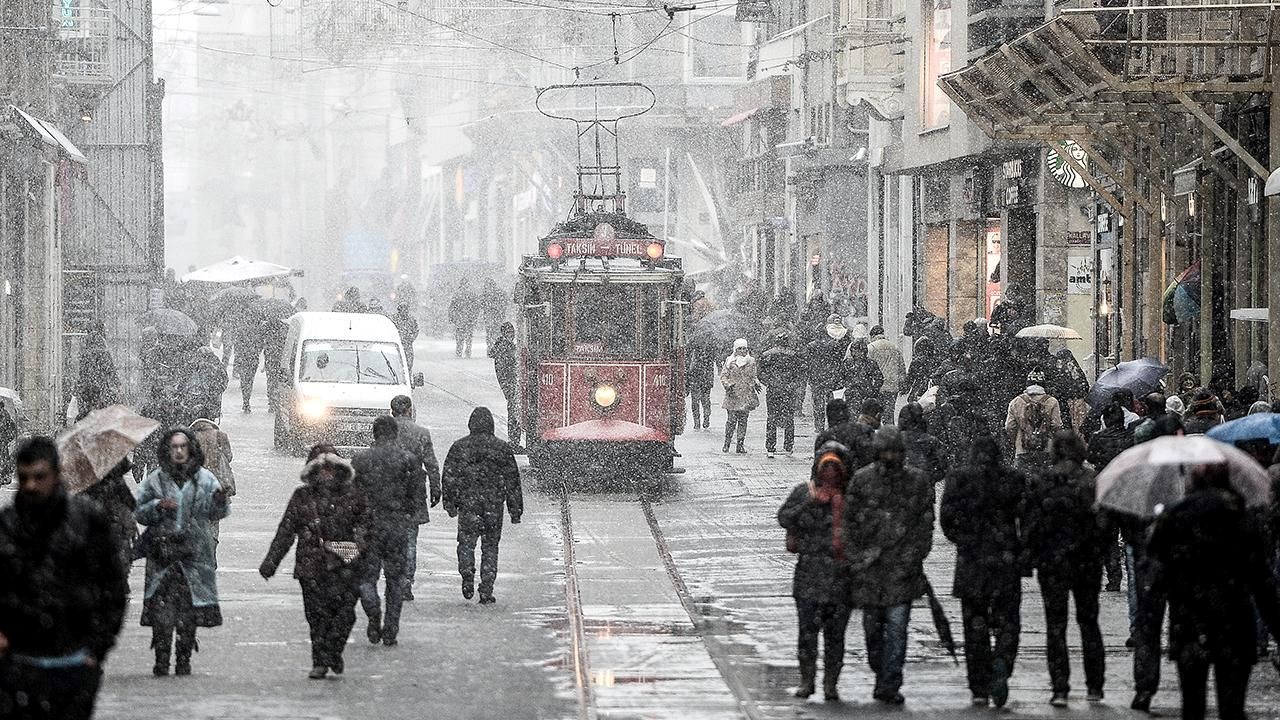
(1036, 377)
(1203, 403)
(1174, 405)
(740, 343)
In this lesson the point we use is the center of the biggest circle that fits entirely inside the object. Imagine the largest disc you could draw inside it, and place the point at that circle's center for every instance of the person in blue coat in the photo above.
(180, 502)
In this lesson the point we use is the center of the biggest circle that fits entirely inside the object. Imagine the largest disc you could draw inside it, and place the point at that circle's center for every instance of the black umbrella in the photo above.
(1141, 377)
(273, 309)
(168, 321)
(941, 623)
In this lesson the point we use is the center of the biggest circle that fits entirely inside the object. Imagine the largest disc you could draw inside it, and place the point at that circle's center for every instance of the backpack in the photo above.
(1035, 435)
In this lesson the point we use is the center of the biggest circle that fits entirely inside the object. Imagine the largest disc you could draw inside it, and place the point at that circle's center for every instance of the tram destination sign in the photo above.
(604, 247)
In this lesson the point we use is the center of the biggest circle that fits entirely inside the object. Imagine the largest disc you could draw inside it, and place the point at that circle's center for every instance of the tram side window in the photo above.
(604, 321)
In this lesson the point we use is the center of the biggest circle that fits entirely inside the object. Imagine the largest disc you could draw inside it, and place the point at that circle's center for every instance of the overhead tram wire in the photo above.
(478, 37)
(666, 31)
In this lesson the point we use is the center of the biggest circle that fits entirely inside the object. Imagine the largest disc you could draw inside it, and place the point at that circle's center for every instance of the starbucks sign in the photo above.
(1059, 168)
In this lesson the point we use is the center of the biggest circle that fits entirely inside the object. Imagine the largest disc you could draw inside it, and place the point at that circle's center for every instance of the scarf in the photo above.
(739, 360)
(827, 487)
(836, 331)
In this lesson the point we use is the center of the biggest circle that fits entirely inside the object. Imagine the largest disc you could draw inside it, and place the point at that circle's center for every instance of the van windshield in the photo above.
(351, 361)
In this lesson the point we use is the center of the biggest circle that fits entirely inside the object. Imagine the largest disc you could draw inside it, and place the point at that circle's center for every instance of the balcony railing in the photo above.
(85, 40)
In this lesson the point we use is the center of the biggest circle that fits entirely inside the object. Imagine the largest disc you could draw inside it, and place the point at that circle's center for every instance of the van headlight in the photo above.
(313, 409)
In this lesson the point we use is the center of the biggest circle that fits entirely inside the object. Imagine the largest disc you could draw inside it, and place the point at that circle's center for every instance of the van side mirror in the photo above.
(419, 380)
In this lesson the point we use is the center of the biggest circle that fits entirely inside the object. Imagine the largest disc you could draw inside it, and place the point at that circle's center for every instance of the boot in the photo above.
(162, 646)
(184, 646)
(808, 673)
(830, 683)
(374, 629)
(728, 437)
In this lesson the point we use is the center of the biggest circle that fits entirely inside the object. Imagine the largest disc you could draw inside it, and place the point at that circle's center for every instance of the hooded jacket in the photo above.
(394, 484)
(480, 473)
(318, 512)
(888, 358)
(216, 448)
(201, 504)
(982, 512)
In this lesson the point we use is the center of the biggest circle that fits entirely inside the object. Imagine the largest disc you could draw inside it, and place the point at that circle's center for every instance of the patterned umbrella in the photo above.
(1182, 298)
(96, 444)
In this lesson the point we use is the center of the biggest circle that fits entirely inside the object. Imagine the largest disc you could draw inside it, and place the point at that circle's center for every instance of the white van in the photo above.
(342, 369)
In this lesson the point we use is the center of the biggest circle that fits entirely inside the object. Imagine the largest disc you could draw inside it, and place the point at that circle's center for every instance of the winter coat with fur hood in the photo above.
(319, 512)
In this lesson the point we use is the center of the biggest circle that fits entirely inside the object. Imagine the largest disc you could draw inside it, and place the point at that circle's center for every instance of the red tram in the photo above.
(601, 332)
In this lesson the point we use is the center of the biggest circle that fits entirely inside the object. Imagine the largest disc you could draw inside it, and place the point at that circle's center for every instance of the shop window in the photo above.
(936, 111)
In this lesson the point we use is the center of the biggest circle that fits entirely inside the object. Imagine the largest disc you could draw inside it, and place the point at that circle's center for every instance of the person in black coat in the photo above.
(203, 386)
(407, 327)
(63, 593)
(813, 518)
(464, 309)
(505, 364)
(98, 383)
(862, 378)
(115, 498)
(1105, 446)
(782, 372)
(924, 451)
(853, 435)
(1065, 539)
(480, 477)
(825, 363)
(1211, 566)
(983, 513)
(415, 440)
(700, 377)
(327, 509)
(394, 484)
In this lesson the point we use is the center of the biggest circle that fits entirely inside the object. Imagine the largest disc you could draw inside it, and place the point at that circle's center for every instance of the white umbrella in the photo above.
(1053, 332)
(238, 269)
(1149, 477)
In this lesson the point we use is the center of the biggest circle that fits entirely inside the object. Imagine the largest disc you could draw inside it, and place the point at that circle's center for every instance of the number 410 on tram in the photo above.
(602, 346)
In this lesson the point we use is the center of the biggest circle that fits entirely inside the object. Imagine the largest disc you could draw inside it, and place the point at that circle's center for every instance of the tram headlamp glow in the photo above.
(654, 251)
(313, 409)
(605, 395)
(555, 251)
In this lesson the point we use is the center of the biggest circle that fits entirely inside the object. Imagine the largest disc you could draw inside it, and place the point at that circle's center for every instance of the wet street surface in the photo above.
(618, 597)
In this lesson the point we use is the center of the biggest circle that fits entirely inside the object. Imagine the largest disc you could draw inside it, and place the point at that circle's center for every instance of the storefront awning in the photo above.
(48, 134)
(734, 120)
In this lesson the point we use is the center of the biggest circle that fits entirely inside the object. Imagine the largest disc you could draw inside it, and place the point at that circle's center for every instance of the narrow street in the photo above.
(677, 605)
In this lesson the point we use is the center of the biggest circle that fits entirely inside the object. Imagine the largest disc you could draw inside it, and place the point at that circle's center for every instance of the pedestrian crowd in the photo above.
(65, 557)
(1015, 461)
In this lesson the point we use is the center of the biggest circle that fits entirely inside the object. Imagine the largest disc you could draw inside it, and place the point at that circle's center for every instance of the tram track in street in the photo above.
(582, 630)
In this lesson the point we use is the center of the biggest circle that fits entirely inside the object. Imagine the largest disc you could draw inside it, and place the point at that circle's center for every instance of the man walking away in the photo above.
(1212, 567)
(889, 532)
(1065, 545)
(982, 513)
(894, 369)
(505, 363)
(63, 592)
(463, 311)
(480, 476)
(1105, 446)
(1033, 418)
(407, 327)
(395, 487)
(415, 440)
(924, 451)
(826, 366)
(700, 376)
(248, 351)
(863, 378)
(782, 372)
(852, 434)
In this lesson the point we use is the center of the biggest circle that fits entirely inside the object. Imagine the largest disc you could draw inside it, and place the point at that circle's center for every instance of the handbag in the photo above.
(793, 543)
(345, 550)
(165, 547)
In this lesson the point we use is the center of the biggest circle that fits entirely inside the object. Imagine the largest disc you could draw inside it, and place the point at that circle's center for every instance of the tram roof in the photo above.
(601, 270)
(585, 224)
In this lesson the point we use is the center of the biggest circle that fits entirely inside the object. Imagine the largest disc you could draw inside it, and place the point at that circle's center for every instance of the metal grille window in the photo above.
(84, 41)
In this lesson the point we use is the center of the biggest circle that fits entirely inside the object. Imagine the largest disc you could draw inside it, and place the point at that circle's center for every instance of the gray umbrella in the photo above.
(168, 321)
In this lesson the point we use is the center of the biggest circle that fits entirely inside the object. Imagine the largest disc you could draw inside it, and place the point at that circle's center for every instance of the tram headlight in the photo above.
(555, 251)
(654, 251)
(605, 396)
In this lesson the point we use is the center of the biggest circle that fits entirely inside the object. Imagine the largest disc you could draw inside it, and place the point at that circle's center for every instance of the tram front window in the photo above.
(604, 322)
